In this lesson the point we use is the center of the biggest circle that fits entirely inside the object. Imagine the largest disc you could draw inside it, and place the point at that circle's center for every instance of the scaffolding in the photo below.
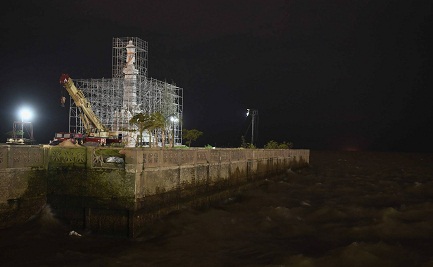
(168, 100)
(107, 97)
(119, 56)
(22, 133)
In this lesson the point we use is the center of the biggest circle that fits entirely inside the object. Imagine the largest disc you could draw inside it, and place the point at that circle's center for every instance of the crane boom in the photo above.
(90, 120)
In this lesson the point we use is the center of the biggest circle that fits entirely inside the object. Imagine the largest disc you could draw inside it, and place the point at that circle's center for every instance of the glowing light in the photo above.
(25, 114)
(174, 119)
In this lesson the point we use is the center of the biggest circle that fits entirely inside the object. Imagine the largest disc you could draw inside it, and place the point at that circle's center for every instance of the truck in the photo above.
(95, 131)
(76, 138)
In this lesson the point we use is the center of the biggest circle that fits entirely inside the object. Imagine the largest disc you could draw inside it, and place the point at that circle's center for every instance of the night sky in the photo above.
(325, 75)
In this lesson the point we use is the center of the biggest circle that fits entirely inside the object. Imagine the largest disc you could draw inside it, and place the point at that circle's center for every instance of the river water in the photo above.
(346, 209)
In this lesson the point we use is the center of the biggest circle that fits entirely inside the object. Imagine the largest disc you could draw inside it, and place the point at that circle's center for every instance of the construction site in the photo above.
(107, 105)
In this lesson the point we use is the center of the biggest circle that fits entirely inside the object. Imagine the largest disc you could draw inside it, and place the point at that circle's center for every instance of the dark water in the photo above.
(347, 209)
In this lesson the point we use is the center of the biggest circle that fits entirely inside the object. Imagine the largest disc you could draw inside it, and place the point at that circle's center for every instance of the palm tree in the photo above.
(152, 123)
(156, 122)
(153, 126)
(159, 123)
(150, 129)
(143, 122)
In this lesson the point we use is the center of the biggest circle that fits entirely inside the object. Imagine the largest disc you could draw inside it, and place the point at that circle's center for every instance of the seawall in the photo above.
(108, 190)
(23, 186)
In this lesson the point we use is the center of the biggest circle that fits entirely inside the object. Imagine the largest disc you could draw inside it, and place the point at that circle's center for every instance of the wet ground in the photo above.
(346, 209)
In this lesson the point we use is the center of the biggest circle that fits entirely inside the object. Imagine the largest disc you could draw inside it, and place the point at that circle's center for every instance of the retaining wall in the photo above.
(90, 192)
(23, 184)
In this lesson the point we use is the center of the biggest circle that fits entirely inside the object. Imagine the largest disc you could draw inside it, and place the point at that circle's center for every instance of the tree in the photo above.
(160, 123)
(191, 135)
(156, 122)
(143, 122)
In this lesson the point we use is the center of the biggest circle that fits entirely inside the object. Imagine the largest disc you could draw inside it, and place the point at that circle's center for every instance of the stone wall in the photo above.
(158, 170)
(166, 179)
(23, 183)
(87, 188)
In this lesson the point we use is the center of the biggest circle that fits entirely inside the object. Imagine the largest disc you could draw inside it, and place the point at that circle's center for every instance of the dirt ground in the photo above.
(346, 209)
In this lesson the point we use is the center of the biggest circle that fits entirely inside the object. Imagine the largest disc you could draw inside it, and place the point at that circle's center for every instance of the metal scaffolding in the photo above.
(168, 100)
(107, 97)
(119, 56)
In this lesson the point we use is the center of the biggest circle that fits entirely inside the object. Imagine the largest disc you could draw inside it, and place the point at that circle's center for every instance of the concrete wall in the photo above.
(23, 184)
(158, 171)
(85, 188)
(166, 179)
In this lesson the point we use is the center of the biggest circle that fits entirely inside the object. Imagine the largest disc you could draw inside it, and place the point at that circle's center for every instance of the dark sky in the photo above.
(322, 74)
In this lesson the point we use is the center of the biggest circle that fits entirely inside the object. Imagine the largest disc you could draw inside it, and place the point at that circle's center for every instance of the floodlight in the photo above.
(174, 119)
(25, 114)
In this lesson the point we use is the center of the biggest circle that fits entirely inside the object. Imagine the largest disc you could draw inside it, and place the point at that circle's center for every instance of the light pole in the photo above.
(173, 120)
(25, 114)
(22, 127)
(253, 113)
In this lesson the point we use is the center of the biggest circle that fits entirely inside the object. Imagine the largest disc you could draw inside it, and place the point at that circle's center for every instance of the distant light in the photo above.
(174, 119)
(25, 114)
(248, 112)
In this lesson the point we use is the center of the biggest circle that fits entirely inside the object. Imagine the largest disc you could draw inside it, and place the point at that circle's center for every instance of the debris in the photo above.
(305, 203)
(74, 233)
(114, 159)
(68, 143)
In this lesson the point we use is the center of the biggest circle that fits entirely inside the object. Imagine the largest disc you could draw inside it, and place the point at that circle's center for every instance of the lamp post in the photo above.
(173, 120)
(253, 113)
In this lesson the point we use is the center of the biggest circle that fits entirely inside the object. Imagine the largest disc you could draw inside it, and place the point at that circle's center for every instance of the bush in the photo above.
(275, 145)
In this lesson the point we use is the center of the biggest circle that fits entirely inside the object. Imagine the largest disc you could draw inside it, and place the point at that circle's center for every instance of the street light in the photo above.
(254, 113)
(173, 120)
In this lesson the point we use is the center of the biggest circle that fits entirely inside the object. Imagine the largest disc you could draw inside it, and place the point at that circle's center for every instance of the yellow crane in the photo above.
(95, 130)
(91, 122)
